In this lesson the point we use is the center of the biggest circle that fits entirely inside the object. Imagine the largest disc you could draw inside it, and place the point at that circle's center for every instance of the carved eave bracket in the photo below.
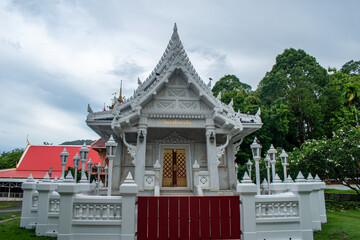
(220, 150)
(131, 149)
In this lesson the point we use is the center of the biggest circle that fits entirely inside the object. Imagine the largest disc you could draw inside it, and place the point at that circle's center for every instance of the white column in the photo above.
(230, 153)
(212, 160)
(140, 154)
(117, 167)
(257, 168)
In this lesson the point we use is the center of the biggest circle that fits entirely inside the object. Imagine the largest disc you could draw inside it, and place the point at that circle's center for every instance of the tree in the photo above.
(352, 68)
(335, 158)
(297, 81)
(11, 158)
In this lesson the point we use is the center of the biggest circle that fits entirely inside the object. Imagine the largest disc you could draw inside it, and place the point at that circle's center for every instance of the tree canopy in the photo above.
(11, 158)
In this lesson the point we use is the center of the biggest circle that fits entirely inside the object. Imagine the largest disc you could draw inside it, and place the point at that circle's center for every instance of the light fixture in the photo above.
(256, 148)
(89, 166)
(63, 158)
(76, 161)
(283, 157)
(141, 136)
(212, 137)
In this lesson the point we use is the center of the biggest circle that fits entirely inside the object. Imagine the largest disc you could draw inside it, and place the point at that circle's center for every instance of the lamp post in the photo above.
(98, 171)
(84, 151)
(63, 158)
(76, 160)
(106, 170)
(90, 165)
(256, 152)
(249, 167)
(267, 165)
(272, 153)
(283, 157)
(110, 153)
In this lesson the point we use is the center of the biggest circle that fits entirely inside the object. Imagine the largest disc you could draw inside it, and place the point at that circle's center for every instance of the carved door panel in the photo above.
(174, 168)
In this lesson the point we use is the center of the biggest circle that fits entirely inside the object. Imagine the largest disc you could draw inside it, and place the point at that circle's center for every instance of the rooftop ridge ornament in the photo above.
(175, 27)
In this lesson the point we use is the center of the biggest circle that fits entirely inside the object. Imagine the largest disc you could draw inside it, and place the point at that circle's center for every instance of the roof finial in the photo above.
(27, 139)
(175, 28)
(104, 107)
(120, 96)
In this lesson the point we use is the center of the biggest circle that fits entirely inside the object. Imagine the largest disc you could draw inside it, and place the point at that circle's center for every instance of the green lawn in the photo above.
(9, 204)
(340, 191)
(343, 221)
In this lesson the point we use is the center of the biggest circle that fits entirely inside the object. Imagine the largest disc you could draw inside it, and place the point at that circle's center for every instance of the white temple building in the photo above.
(171, 128)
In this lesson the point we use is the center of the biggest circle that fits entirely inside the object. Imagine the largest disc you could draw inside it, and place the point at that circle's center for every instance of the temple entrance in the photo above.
(174, 168)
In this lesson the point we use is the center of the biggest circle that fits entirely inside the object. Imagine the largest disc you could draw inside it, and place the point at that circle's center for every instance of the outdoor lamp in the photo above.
(249, 167)
(256, 151)
(111, 147)
(267, 165)
(256, 148)
(106, 170)
(89, 166)
(84, 151)
(272, 153)
(212, 137)
(141, 136)
(76, 160)
(110, 153)
(283, 157)
(63, 158)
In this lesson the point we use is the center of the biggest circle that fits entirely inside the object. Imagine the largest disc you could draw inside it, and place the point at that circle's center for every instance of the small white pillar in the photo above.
(128, 191)
(45, 187)
(28, 188)
(140, 154)
(303, 190)
(247, 190)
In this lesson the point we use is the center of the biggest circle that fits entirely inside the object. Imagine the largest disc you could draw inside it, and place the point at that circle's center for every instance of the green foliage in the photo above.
(11, 158)
(331, 158)
(296, 80)
(352, 67)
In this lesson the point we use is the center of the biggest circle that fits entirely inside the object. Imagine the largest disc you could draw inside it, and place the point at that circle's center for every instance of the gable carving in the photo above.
(174, 138)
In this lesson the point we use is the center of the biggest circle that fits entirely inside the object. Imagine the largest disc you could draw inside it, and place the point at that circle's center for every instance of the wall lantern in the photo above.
(256, 148)
(212, 137)
(272, 153)
(84, 151)
(141, 136)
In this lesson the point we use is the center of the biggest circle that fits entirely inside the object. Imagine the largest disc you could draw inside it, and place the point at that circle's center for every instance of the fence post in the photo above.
(315, 203)
(28, 188)
(67, 190)
(128, 192)
(247, 190)
(45, 187)
(303, 190)
(322, 207)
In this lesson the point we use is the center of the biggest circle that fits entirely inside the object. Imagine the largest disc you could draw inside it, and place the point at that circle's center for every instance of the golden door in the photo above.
(174, 168)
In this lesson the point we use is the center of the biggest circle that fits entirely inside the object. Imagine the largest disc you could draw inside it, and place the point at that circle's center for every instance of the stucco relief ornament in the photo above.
(131, 149)
(221, 149)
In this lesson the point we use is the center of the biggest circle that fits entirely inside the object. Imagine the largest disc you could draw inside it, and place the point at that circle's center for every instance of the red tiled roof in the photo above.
(39, 159)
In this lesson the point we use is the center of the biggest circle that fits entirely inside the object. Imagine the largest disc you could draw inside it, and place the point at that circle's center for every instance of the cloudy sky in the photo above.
(58, 56)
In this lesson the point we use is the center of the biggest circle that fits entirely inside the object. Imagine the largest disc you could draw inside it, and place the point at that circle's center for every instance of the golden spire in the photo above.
(120, 96)
(27, 139)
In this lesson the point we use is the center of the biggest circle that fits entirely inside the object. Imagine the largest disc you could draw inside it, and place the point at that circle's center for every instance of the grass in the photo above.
(343, 221)
(340, 191)
(9, 204)
(10, 231)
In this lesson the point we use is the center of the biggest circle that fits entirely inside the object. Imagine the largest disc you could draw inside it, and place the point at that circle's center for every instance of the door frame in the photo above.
(188, 164)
